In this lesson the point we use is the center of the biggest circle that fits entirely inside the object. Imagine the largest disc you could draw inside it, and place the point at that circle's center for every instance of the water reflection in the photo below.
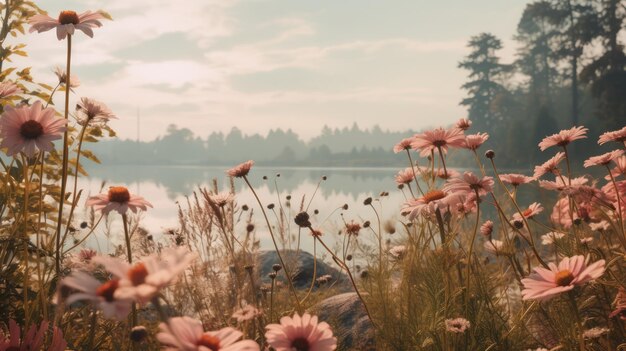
(166, 186)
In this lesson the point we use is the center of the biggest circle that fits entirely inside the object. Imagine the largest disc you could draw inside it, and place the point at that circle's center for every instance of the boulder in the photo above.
(346, 314)
(301, 268)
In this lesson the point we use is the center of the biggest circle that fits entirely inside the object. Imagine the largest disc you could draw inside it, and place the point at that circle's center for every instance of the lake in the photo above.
(166, 186)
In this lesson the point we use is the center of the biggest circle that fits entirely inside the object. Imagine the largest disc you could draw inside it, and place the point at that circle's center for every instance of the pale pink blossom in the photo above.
(486, 228)
(30, 128)
(246, 313)
(467, 204)
(600, 226)
(143, 280)
(551, 237)
(405, 176)
(469, 182)
(102, 295)
(62, 76)
(438, 139)
(616, 135)
(603, 159)
(550, 166)
(397, 251)
(241, 170)
(447, 174)
(67, 22)
(300, 333)
(8, 89)
(545, 284)
(222, 199)
(403, 145)
(562, 183)
(563, 137)
(457, 325)
(463, 124)
(118, 198)
(533, 209)
(516, 179)
(427, 204)
(81, 260)
(586, 240)
(32, 340)
(187, 334)
(94, 111)
(474, 141)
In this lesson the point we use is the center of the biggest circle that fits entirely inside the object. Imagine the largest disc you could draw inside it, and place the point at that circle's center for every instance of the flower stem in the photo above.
(65, 158)
(129, 253)
(282, 262)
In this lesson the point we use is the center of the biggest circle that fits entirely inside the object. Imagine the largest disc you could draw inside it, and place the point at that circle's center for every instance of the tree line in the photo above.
(569, 70)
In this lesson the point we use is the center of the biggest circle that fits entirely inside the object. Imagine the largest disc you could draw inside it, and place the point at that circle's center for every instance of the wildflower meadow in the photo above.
(470, 261)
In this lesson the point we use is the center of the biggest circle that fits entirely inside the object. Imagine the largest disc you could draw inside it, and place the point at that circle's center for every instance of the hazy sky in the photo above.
(259, 64)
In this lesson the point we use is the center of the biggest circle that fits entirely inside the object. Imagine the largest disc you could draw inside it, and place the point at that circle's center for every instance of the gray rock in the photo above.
(346, 314)
(301, 268)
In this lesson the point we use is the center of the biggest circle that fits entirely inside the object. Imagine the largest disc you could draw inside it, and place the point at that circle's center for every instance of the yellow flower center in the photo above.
(138, 274)
(433, 195)
(563, 278)
(209, 341)
(68, 17)
(118, 194)
(107, 289)
(31, 130)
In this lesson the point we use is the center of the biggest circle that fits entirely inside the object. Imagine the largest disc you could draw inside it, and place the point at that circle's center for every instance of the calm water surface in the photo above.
(166, 186)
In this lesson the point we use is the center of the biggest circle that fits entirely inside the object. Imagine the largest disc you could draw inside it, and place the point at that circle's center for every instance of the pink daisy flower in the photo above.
(545, 284)
(551, 237)
(563, 137)
(438, 139)
(67, 22)
(62, 75)
(240, 170)
(431, 201)
(486, 228)
(95, 111)
(620, 168)
(550, 166)
(300, 334)
(603, 159)
(616, 135)
(474, 141)
(118, 198)
(222, 199)
(187, 334)
(30, 128)
(100, 294)
(405, 176)
(516, 179)
(463, 124)
(469, 182)
(404, 144)
(81, 260)
(143, 280)
(457, 325)
(246, 313)
(33, 340)
(9, 89)
(563, 183)
(534, 209)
